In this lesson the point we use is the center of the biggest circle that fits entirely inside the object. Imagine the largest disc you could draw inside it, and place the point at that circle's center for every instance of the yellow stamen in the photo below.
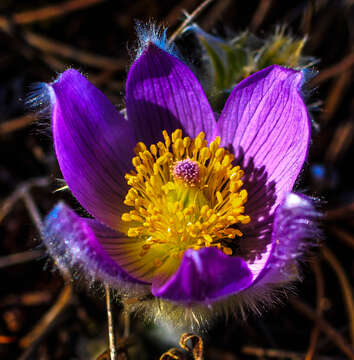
(185, 195)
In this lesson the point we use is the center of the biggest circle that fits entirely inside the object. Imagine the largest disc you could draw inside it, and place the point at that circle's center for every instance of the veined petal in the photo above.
(94, 145)
(204, 276)
(164, 94)
(72, 242)
(294, 226)
(266, 122)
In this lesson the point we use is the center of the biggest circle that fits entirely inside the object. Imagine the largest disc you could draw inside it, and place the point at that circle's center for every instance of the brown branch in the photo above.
(110, 320)
(260, 14)
(332, 333)
(345, 285)
(174, 15)
(51, 46)
(335, 95)
(20, 258)
(344, 236)
(41, 328)
(9, 202)
(214, 14)
(189, 19)
(277, 353)
(45, 13)
(334, 70)
(320, 294)
(16, 124)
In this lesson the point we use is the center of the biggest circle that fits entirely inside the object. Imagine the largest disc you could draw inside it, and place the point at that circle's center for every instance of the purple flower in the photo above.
(186, 208)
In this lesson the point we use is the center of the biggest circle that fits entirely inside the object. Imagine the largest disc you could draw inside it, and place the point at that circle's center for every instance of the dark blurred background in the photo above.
(40, 316)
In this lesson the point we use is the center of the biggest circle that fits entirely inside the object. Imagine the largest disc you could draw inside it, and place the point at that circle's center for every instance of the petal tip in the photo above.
(152, 37)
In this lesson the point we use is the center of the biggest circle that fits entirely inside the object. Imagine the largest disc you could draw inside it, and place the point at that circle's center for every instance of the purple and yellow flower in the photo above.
(186, 209)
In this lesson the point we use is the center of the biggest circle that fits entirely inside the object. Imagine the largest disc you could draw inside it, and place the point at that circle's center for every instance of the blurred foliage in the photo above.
(232, 60)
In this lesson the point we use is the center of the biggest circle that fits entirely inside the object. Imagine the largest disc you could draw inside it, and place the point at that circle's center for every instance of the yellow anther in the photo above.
(140, 146)
(153, 149)
(227, 251)
(177, 134)
(203, 210)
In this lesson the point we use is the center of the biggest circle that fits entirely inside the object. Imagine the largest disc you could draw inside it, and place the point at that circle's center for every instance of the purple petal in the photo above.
(294, 232)
(266, 122)
(72, 242)
(204, 276)
(94, 145)
(163, 94)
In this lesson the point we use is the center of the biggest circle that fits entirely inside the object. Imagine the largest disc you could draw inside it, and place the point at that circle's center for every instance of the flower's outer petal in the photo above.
(71, 240)
(294, 232)
(163, 94)
(204, 276)
(266, 122)
(94, 145)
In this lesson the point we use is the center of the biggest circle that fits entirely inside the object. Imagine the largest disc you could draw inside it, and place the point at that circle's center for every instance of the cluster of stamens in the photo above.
(185, 195)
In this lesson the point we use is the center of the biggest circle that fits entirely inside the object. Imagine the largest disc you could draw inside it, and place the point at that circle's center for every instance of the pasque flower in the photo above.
(186, 209)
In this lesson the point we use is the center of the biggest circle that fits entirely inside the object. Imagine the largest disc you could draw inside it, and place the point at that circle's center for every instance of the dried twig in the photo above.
(20, 258)
(332, 333)
(47, 12)
(319, 305)
(334, 70)
(174, 15)
(214, 14)
(48, 45)
(196, 347)
(345, 285)
(9, 202)
(32, 210)
(111, 335)
(276, 353)
(16, 124)
(344, 236)
(41, 328)
(260, 14)
(335, 95)
(189, 19)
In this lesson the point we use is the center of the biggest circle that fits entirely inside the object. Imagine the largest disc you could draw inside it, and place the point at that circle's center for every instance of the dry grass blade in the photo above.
(55, 47)
(346, 288)
(260, 14)
(20, 258)
(197, 345)
(334, 70)
(16, 124)
(41, 328)
(336, 95)
(344, 236)
(47, 12)
(215, 14)
(332, 333)
(189, 19)
(341, 141)
(174, 15)
(110, 321)
(173, 354)
(8, 203)
(320, 293)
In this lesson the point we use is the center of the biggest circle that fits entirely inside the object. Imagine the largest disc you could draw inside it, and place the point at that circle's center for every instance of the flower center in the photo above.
(185, 195)
(187, 171)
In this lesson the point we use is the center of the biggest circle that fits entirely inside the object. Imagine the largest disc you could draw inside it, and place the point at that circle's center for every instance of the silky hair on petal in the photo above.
(152, 33)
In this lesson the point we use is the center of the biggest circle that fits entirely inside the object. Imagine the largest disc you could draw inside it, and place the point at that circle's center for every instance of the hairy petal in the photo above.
(204, 276)
(164, 94)
(294, 232)
(94, 145)
(71, 240)
(266, 122)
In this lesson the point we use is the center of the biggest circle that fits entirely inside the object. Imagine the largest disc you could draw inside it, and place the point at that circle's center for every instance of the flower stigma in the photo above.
(185, 195)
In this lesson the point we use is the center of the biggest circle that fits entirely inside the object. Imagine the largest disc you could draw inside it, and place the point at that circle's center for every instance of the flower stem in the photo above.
(112, 345)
